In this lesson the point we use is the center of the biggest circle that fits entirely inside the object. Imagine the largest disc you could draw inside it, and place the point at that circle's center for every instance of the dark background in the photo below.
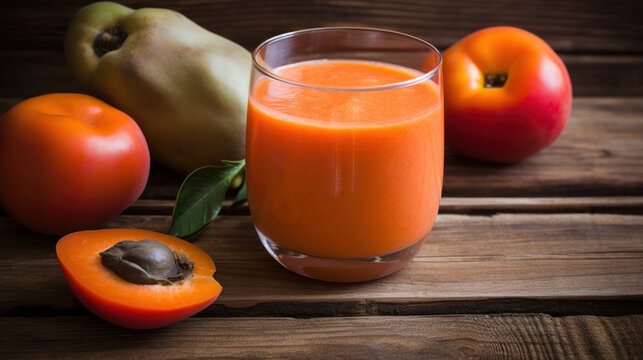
(601, 42)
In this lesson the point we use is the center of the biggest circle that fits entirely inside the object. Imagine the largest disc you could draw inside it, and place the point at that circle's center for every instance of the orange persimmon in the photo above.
(69, 162)
(129, 304)
(507, 95)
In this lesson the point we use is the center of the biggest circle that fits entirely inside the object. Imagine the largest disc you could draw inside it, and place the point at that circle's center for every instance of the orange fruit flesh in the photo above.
(78, 254)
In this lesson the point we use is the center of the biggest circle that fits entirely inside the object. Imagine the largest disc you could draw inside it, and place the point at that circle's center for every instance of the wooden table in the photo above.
(541, 259)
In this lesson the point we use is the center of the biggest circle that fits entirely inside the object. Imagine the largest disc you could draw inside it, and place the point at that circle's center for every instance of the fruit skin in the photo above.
(131, 305)
(186, 87)
(69, 162)
(513, 122)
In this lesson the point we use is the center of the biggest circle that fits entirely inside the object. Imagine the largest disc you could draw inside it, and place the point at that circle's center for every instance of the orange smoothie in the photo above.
(344, 174)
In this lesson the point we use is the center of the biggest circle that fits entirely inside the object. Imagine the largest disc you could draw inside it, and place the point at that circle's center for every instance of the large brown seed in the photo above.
(146, 262)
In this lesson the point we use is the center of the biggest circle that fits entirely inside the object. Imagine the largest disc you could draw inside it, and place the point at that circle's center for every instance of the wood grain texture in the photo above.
(490, 206)
(570, 26)
(593, 157)
(600, 42)
(603, 75)
(35, 72)
(497, 262)
(505, 256)
(390, 337)
(600, 153)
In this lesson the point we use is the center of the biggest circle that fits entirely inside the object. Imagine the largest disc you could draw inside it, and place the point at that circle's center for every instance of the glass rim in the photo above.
(416, 80)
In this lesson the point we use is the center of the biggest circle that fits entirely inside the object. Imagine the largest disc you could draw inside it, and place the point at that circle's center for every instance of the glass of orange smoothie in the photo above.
(345, 150)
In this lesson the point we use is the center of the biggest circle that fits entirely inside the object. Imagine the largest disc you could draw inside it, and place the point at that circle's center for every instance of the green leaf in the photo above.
(241, 198)
(200, 198)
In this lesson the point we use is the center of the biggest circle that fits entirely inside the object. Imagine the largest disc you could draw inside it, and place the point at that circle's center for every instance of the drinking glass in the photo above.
(345, 150)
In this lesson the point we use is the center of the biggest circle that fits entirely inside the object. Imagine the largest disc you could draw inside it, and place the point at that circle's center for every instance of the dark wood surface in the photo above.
(533, 336)
(467, 257)
(538, 260)
(598, 154)
(600, 41)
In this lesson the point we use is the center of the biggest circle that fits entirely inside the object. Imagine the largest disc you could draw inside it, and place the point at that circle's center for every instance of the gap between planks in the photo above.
(318, 309)
(461, 205)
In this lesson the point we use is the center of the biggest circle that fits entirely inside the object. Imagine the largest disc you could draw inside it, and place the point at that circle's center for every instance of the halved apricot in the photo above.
(99, 287)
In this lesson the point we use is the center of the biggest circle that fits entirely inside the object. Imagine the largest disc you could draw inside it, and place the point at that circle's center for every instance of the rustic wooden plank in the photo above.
(600, 153)
(162, 183)
(570, 26)
(35, 72)
(604, 75)
(505, 256)
(593, 157)
(416, 337)
(32, 73)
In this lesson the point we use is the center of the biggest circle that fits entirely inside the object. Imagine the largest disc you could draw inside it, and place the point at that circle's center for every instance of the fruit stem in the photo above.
(495, 80)
(108, 40)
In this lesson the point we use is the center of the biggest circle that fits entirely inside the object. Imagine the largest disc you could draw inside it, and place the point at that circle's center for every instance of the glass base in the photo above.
(340, 270)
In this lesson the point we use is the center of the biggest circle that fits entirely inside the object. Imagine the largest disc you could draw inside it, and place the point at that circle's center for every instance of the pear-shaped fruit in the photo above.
(186, 87)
